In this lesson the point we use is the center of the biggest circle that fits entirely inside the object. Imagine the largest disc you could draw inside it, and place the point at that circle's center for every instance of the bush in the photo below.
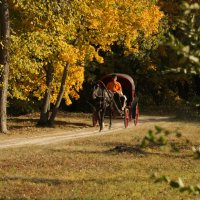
(20, 107)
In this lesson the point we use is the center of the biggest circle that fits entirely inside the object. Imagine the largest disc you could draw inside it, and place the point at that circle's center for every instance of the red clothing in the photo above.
(114, 86)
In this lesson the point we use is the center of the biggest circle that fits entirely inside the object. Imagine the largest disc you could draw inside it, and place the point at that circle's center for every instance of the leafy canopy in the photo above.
(185, 39)
(56, 33)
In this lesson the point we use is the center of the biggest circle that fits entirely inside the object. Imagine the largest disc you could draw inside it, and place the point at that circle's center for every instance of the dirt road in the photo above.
(71, 135)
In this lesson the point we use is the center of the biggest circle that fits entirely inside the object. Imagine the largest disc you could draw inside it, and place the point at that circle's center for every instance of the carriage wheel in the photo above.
(94, 119)
(130, 114)
(126, 117)
(136, 114)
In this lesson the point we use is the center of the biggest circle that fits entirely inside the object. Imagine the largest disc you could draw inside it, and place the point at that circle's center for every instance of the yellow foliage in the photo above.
(149, 21)
(56, 33)
(152, 67)
(69, 54)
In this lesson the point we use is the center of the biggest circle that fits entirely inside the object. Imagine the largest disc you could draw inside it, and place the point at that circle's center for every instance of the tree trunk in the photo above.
(60, 95)
(44, 114)
(4, 65)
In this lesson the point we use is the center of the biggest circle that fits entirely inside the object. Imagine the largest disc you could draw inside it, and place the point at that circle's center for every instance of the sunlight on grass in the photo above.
(104, 167)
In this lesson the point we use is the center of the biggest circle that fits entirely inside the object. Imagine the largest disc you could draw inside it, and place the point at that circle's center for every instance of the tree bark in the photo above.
(60, 95)
(44, 114)
(4, 62)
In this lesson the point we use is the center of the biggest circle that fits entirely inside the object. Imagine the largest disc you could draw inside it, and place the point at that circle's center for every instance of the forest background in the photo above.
(51, 51)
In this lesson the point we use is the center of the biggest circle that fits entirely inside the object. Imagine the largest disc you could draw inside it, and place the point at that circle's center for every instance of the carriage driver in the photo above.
(116, 88)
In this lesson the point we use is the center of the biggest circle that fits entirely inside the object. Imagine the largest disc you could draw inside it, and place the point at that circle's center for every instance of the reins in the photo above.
(108, 92)
(110, 96)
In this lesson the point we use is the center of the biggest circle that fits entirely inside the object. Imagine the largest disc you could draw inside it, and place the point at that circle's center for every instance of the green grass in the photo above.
(104, 167)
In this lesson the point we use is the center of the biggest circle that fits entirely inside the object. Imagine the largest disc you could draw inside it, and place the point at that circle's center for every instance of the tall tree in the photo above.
(58, 38)
(4, 62)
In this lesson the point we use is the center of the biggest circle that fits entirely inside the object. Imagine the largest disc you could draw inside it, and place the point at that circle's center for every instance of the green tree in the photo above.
(185, 38)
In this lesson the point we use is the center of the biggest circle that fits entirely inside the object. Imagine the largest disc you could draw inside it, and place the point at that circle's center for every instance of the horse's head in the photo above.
(96, 91)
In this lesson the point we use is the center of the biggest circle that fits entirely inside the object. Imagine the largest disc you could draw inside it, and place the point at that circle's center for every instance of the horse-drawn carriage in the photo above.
(105, 101)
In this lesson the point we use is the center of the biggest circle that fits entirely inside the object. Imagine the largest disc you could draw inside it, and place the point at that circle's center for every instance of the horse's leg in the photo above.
(110, 116)
(100, 119)
(104, 112)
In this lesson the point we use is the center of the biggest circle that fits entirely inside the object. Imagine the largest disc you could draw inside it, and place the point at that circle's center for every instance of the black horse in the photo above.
(103, 100)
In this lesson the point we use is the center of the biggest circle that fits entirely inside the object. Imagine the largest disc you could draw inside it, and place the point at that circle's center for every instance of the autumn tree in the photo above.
(4, 62)
(55, 40)
(41, 59)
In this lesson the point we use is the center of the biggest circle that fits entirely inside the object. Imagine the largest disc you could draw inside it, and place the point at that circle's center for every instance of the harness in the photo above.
(102, 100)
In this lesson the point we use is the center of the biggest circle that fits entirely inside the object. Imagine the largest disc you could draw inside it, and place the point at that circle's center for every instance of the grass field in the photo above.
(106, 167)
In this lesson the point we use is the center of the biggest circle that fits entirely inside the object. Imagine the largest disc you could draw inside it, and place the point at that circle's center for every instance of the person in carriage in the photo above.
(115, 87)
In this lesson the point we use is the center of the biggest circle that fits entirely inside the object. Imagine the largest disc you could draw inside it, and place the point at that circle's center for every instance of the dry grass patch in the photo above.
(104, 167)
(26, 125)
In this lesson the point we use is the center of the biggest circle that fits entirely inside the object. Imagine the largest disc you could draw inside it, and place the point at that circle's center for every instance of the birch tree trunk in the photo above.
(4, 62)
(45, 110)
(60, 95)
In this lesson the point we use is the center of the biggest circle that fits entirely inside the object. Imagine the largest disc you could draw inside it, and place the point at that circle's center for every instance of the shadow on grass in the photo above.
(136, 150)
(156, 119)
(127, 149)
(23, 122)
(117, 150)
(57, 182)
(36, 180)
(76, 151)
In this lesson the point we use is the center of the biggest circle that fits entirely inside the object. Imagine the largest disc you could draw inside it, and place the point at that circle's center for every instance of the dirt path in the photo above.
(70, 135)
